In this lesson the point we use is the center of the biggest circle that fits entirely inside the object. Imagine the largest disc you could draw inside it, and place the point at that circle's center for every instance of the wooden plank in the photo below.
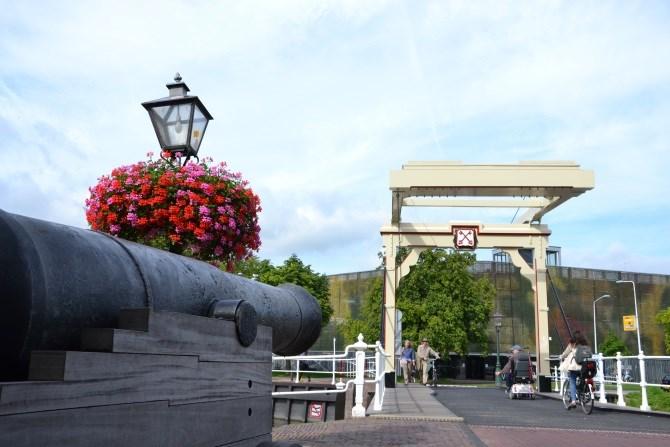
(150, 424)
(94, 378)
(175, 333)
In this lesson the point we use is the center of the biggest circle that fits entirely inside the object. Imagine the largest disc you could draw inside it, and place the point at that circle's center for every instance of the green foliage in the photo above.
(253, 268)
(659, 400)
(441, 300)
(663, 317)
(292, 271)
(368, 325)
(612, 345)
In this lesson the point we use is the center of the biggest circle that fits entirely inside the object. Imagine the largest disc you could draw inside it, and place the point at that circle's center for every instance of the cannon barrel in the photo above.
(56, 280)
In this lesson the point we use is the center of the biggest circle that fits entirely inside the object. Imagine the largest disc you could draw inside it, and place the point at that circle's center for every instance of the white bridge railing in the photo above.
(358, 367)
(642, 370)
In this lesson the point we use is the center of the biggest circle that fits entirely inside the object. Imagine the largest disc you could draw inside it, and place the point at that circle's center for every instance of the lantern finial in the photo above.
(177, 77)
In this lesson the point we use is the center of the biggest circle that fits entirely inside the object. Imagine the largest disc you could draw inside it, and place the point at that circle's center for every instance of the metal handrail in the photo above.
(619, 378)
(360, 359)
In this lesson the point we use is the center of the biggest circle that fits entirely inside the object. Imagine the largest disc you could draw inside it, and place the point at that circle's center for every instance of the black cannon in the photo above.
(56, 280)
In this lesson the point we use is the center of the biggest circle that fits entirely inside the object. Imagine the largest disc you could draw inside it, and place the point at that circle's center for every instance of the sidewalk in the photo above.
(413, 402)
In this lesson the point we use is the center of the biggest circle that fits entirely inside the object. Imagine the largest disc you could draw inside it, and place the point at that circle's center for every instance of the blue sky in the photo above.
(315, 102)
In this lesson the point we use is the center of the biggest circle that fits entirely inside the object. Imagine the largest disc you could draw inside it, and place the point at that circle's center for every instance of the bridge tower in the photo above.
(537, 187)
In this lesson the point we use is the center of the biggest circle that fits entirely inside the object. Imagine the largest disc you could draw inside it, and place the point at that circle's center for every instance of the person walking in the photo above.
(508, 369)
(407, 361)
(423, 353)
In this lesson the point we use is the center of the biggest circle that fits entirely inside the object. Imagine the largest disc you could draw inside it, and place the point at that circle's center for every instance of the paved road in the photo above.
(500, 422)
(490, 407)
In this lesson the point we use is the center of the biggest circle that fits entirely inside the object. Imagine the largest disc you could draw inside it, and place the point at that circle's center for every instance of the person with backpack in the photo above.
(575, 357)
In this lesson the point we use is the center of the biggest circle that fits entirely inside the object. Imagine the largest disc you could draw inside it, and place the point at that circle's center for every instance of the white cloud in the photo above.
(315, 102)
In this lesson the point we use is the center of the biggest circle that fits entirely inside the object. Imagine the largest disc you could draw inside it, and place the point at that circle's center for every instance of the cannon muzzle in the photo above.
(56, 280)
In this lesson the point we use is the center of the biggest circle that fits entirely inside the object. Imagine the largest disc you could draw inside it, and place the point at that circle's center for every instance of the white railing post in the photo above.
(563, 383)
(360, 346)
(601, 377)
(644, 406)
(619, 383)
(297, 371)
(555, 380)
(379, 384)
(334, 354)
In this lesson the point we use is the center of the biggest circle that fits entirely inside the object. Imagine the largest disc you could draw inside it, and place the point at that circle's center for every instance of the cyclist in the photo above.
(565, 361)
(575, 368)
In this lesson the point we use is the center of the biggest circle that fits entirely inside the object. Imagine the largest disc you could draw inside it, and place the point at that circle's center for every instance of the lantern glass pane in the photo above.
(157, 115)
(198, 129)
(176, 124)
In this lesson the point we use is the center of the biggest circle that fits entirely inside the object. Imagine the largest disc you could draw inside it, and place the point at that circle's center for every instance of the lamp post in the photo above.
(637, 320)
(497, 319)
(179, 120)
(595, 332)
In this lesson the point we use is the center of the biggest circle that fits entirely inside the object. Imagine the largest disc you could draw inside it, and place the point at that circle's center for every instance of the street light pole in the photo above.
(595, 332)
(497, 318)
(637, 319)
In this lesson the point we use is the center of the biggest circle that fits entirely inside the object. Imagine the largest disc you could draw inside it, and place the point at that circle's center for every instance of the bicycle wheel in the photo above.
(586, 399)
(566, 395)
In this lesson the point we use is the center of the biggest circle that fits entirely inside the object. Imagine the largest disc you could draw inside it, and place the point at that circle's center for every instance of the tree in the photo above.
(292, 271)
(441, 300)
(663, 317)
(612, 345)
(253, 267)
(368, 324)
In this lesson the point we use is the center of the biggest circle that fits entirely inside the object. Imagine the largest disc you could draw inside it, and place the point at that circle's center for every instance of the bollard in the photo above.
(619, 383)
(360, 346)
(644, 406)
(601, 376)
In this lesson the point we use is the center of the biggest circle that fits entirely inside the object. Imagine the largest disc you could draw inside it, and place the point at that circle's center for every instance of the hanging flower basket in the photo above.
(198, 210)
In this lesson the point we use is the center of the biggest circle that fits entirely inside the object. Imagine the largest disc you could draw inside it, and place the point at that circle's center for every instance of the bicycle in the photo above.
(436, 374)
(585, 389)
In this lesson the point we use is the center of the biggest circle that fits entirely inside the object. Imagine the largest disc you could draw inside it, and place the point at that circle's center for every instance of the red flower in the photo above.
(186, 209)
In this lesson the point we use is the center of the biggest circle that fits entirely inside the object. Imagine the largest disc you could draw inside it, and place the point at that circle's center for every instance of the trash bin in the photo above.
(389, 379)
(544, 384)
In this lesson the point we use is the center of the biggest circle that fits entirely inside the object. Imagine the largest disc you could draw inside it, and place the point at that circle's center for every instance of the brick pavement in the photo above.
(558, 437)
(377, 432)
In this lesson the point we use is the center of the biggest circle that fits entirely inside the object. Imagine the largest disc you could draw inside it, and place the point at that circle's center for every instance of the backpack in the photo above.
(582, 353)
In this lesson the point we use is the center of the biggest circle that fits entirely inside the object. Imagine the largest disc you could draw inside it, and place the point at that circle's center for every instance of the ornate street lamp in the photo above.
(179, 120)
(497, 320)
